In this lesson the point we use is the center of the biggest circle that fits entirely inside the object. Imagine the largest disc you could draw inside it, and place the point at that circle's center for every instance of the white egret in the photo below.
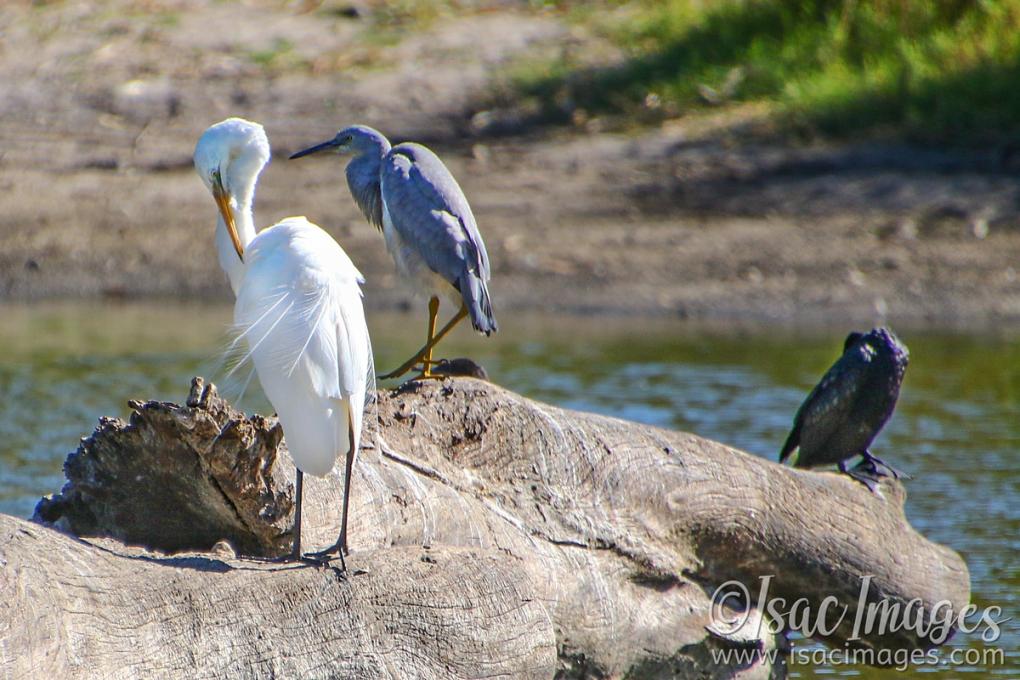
(298, 309)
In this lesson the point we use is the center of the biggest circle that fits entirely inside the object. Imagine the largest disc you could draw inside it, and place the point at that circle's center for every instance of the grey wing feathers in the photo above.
(429, 210)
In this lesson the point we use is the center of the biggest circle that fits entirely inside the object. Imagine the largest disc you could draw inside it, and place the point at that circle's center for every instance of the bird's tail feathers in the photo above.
(476, 297)
(792, 442)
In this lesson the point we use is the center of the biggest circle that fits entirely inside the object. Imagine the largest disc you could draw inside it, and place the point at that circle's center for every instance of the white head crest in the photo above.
(236, 150)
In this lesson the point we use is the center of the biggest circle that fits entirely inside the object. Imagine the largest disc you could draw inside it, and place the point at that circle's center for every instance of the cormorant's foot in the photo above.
(872, 463)
(864, 478)
(897, 474)
(868, 476)
(867, 467)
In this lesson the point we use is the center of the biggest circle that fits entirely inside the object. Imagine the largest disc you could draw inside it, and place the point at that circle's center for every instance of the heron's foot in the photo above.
(423, 355)
(430, 376)
(421, 364)
(873, 463)
(869, 477)
(418, 361)
(461, 366)
(395, 373)
(436, 369)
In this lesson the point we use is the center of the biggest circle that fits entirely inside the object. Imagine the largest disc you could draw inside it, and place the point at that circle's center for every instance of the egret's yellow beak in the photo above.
(223, 203)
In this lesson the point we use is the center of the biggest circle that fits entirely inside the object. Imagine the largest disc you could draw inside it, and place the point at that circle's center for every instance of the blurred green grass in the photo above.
(945, 71)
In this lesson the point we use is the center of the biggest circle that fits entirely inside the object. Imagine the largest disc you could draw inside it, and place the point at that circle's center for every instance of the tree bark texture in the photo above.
(491, 535)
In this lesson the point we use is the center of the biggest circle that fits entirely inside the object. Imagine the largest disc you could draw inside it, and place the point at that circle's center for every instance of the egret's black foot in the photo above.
(869, 477)
(294, 557)
(323, 558)
(873, 462)
(289, 558)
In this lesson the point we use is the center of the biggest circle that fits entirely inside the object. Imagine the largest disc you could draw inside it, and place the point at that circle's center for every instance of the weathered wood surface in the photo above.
(73, 609)
(556, 541)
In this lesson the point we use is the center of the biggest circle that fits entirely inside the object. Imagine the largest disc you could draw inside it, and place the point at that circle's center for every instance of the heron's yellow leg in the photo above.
(433, 314)
(419, 356)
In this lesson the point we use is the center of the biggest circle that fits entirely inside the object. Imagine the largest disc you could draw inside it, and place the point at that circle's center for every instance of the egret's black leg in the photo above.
(869, 457)
(861, 477)
(342, 541)
(340, 547)
(296, 553)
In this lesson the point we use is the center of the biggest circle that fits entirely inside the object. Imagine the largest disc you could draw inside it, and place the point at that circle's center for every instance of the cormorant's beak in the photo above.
(331, 144)
(223, 203)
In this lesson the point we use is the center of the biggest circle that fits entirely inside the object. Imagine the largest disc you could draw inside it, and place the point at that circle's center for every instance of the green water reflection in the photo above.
(956, 430)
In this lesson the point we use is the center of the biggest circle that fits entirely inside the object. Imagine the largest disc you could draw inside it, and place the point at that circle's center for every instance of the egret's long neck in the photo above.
(245, 223)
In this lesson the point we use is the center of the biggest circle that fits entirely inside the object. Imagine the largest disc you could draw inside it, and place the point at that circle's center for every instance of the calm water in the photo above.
(957, 428)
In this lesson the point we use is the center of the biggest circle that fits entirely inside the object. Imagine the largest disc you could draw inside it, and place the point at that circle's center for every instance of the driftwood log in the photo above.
(491, 535)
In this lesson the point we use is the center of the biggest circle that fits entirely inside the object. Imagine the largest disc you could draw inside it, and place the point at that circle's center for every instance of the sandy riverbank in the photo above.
(697, 218)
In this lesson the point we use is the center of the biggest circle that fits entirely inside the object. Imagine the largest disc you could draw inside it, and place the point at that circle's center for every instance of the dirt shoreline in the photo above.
(694, 219)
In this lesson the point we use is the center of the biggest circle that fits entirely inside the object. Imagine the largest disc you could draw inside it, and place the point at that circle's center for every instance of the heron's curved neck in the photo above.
(364, 182)
(245, 223)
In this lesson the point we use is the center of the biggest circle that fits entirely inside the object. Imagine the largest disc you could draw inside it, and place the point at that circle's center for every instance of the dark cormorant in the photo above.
(848, 408)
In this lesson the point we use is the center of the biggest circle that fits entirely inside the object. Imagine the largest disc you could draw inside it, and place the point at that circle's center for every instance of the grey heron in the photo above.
(298, 310)
(847, 409)
(409, 194)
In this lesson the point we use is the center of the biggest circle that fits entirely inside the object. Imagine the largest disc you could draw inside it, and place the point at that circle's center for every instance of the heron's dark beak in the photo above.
(223, 203)
(331, 144)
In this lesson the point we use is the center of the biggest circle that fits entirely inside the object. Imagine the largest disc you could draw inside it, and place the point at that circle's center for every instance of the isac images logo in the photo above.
(732, 604)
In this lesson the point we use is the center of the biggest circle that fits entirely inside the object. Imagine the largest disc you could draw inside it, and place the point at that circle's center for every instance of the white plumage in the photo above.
(300, 307)
(298, 310)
